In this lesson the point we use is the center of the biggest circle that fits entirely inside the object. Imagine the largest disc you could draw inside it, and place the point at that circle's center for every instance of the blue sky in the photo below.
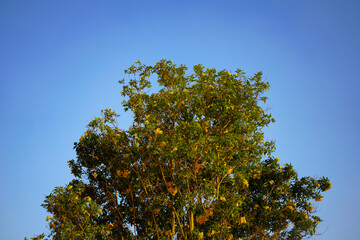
(61, 60)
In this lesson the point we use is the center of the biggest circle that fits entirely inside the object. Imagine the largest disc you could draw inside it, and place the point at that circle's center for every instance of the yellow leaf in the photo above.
(172, 191)
(158, 131)
(329, 187)
(245, 182)
(126, 173)
(242, 220)
(290, 208)
(318, 199)
(181, 104)
(201, 219)
(310, 208)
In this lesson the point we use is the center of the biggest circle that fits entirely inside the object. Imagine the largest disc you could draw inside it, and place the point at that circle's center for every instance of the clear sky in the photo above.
(61, 60)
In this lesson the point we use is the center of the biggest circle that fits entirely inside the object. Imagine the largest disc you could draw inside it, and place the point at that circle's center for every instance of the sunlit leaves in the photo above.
(74, 215)
(194, 164)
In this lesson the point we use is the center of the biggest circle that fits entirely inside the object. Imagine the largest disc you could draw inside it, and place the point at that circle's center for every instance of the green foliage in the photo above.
(39, 237)
(193, 165)
(75, 215)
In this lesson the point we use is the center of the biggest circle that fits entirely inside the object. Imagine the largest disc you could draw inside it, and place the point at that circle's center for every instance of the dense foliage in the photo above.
(193, 165)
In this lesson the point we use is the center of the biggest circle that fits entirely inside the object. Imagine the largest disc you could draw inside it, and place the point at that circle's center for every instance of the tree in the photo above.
(193, 165)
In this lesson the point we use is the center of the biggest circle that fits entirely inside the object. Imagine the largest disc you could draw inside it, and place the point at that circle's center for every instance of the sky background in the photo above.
(61, 62)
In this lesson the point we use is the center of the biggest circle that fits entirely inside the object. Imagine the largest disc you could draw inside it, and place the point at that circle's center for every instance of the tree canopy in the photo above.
(194, 164)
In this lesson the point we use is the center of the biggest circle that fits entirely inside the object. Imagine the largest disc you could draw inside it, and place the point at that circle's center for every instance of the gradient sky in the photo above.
(61, 60)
